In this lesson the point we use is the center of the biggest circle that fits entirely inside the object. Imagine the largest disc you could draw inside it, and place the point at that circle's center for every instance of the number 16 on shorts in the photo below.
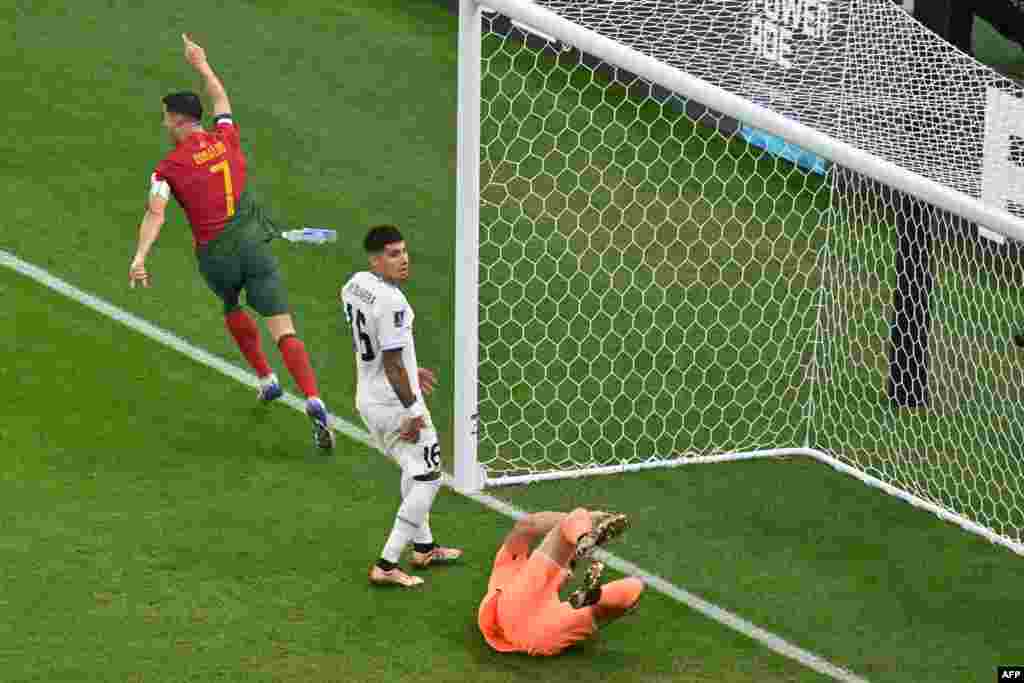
(432, 456)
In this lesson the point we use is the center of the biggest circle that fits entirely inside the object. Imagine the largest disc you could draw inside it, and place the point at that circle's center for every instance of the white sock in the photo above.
(268, 380)
(423, 534)
(400, 536)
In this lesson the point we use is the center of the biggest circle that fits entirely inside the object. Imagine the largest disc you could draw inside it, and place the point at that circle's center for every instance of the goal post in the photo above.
(637, 286)
(469, 475)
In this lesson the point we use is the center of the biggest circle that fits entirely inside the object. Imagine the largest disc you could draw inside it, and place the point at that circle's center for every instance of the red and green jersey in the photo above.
(207, 174)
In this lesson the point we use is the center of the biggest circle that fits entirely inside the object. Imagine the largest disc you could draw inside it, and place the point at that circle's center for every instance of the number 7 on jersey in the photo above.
(229, 192)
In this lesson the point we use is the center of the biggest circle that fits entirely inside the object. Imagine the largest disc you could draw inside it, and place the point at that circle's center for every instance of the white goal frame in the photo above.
(468, 474)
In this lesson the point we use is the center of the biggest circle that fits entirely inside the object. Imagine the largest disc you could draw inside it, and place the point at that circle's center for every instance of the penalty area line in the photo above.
(162, 336)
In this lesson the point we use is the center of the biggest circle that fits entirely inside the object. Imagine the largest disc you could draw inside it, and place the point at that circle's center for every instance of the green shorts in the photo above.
(240, 259)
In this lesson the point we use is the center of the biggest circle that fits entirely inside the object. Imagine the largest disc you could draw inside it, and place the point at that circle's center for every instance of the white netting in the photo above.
(654, 287)
(862, 71)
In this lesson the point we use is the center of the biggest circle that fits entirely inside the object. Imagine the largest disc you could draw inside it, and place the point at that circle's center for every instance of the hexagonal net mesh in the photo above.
(652, 287)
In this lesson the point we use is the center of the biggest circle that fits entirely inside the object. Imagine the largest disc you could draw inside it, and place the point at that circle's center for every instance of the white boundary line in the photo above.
(724, 617)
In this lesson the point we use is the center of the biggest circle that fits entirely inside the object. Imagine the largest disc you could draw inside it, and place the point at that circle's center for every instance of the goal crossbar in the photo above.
(752, 114)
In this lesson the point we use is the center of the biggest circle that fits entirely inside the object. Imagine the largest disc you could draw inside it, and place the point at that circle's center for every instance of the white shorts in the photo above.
(415, 459)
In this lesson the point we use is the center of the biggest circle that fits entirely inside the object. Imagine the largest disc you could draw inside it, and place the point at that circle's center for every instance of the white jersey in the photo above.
(381, 320)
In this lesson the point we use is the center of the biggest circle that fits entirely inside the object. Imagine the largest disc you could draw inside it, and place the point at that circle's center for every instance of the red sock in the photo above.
(295, 357)
(247, 336)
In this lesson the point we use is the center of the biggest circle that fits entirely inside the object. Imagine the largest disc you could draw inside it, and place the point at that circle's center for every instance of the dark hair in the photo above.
(381, 236)
(185, 103)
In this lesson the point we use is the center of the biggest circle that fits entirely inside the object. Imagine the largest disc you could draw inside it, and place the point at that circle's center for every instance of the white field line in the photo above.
(737, 623)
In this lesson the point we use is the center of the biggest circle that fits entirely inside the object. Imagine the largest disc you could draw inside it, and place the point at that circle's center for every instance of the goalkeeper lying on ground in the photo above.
(522, 612)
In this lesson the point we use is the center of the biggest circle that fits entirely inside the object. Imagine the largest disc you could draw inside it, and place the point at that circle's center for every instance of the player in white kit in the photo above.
(389, 397)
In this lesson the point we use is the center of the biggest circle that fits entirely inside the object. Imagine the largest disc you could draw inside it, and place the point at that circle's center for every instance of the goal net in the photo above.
(639, 285)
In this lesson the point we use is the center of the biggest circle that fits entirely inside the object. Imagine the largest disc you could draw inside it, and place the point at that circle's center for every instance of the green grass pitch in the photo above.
(158, 525)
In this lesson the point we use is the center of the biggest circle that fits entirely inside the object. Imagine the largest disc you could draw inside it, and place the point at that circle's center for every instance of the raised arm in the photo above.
(196, 56)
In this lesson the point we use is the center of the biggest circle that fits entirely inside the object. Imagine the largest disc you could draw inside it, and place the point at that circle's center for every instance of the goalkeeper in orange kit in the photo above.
(522, 611)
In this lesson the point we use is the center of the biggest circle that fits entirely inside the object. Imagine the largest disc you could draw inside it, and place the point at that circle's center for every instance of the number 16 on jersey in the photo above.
(360, 340)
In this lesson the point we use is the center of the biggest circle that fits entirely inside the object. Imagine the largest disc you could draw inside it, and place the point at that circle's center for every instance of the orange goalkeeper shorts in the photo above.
(522, 611)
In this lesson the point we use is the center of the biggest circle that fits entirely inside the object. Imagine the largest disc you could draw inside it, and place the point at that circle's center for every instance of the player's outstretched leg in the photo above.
(247, 335)
(293, 352)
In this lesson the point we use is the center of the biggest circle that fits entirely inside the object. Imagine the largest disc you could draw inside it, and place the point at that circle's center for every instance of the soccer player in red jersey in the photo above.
(206, 172)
